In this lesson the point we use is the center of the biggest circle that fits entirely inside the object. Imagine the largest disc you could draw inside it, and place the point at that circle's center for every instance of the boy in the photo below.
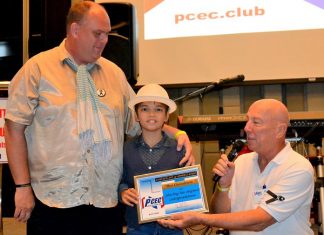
(152, 151)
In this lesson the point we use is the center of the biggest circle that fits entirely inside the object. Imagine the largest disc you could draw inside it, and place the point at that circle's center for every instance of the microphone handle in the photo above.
(231, 157)
(237, 146)
(216, 178)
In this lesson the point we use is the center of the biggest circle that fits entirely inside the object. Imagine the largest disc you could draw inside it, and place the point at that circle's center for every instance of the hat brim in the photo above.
(170, 103)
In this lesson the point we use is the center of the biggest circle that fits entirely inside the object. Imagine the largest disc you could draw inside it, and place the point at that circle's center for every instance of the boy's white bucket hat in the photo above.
(153, 92)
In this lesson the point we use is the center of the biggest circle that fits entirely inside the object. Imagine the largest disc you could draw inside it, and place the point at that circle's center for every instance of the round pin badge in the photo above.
(101, 92)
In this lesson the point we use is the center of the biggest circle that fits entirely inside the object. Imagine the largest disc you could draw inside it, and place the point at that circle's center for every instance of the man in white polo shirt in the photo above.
(267, 191)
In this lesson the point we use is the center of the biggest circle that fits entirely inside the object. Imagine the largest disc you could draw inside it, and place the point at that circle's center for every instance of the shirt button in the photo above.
(88, 151)
(149, 167)
(150, 150)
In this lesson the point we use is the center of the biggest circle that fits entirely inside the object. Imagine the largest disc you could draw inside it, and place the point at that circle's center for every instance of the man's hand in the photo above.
(25, 202)
(225, 169)
(189, 159)
(181, 221)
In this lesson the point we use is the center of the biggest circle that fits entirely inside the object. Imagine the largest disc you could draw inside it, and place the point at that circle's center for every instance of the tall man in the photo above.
(65, 140)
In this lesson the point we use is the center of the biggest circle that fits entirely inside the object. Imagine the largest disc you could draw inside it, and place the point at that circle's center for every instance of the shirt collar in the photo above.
(281, 156)
(64, 54)
(165, 141)
(278, 159)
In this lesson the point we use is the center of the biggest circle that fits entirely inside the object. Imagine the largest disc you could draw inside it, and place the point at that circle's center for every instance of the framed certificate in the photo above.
(164, 193)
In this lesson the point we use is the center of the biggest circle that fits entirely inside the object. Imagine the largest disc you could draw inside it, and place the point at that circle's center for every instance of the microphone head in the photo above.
(240, 77)
(236, 148)
(238, 145)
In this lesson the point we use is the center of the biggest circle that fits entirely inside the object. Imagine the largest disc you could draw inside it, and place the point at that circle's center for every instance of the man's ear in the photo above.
(74, 29)
(281, 130)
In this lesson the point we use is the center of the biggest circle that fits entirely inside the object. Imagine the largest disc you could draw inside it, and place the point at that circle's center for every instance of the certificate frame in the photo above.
(168, 192)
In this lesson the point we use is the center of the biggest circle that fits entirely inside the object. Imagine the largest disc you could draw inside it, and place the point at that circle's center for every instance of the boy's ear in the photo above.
(136, 117)
(167, 117)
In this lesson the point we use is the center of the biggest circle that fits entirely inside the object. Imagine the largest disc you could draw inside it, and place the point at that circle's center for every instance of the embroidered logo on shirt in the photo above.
(274, 197)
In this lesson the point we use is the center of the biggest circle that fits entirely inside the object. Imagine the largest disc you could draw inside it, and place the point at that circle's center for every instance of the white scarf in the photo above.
(93, 132)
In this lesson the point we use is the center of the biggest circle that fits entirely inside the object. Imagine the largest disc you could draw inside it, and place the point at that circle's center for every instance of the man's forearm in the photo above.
(220, 202)
(16, 148)
(252, 220)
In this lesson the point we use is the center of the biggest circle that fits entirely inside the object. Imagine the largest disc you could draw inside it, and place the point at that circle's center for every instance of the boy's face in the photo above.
(152, 115)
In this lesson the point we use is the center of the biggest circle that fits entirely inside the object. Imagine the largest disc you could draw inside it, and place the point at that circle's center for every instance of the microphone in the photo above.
(238, 78)
(237, 147)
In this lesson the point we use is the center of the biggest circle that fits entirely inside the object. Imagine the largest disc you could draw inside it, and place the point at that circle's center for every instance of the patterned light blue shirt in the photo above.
(42, 96)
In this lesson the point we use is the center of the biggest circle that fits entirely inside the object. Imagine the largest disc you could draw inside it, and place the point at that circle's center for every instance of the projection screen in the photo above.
(203, 41)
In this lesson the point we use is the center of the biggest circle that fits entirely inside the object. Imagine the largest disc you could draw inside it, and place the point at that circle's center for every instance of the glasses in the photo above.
(101, 35)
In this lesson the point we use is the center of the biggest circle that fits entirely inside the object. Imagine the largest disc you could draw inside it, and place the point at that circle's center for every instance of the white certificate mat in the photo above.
(164, 193)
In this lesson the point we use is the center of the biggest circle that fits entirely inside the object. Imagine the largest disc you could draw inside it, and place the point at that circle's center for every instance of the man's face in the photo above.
(260, 129)
(92, 36)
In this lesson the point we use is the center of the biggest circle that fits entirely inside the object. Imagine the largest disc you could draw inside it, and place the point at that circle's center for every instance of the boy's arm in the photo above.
(183, 140)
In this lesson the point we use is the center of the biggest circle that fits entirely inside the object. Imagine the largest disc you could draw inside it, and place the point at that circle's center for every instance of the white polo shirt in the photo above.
(289, 175)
